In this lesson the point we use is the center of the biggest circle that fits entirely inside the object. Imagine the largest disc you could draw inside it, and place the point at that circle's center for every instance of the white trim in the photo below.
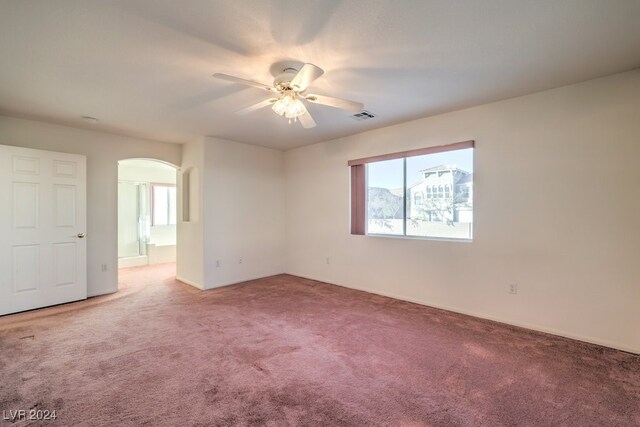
(410, 237)
(103, 292)
(189, 282)
(525, 325)
(244, 280)
(133, 261)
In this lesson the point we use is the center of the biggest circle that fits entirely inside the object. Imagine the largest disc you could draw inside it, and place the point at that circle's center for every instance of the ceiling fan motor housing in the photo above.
(283, 80)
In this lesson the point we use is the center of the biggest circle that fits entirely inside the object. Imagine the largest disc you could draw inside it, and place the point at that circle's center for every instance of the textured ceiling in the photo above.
(144, 67)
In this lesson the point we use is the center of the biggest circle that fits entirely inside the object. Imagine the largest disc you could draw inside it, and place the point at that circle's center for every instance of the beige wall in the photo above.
(150, 174)
(244, 212)
(241, 215)
(103, 151)
(190, 234)
(556, 211)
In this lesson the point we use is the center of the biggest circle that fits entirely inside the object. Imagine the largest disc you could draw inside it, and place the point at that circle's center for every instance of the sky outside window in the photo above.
(386, 173)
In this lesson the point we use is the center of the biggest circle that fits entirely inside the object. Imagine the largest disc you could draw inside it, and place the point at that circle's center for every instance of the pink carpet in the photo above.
(290, 351)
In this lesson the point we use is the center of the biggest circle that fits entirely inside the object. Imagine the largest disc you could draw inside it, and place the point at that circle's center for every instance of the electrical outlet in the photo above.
(103, 267)
(217, 263)
(513, 288)
(240, 261)
(328, 260)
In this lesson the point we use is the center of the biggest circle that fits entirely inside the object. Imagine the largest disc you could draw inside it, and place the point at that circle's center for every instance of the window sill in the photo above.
(436, 239)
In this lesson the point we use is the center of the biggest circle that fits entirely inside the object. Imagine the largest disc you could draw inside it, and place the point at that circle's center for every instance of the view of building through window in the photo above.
(422, 196)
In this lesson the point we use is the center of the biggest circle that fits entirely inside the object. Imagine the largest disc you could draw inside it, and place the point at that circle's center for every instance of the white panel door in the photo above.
(43, 249)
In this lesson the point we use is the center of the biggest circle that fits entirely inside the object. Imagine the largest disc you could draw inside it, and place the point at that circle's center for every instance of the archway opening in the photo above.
(147, 217)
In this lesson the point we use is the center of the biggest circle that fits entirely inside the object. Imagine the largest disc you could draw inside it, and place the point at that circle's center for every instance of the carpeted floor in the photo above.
(290, 351)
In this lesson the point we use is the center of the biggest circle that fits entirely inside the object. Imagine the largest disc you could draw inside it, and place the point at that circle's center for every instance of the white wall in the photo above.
(103, 151)
(241, 225)
(556, 210)
(152, 174)
(244, 212)
(190, 234)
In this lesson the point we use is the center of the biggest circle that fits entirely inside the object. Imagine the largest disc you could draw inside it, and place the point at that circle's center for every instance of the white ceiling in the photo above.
(143, 67)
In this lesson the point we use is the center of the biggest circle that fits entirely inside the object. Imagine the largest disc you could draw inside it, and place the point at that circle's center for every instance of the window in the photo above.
(385, 197)
(163, 207)
(387, 193)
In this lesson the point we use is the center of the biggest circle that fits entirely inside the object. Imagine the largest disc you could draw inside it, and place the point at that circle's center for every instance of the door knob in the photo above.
(81, 235)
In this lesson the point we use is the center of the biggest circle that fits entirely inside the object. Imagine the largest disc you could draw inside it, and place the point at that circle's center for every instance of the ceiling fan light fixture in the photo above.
(280, 106)
(288, 106)
(294, 109)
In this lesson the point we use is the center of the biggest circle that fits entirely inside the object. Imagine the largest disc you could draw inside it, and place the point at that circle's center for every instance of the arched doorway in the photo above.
(147, 214)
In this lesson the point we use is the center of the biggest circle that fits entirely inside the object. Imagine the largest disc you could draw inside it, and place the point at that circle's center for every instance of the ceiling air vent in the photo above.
(364, 115)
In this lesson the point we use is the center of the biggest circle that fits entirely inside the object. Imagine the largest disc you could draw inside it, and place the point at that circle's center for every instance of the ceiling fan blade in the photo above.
(244, 82)
(335, 102)
(306, 120)
(307, 74)
(257, 106)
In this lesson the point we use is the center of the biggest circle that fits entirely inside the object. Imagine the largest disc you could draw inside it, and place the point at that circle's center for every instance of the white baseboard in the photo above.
(134, 261)
(189, 282)
(525, 325)
(244, 280)
(97, 294)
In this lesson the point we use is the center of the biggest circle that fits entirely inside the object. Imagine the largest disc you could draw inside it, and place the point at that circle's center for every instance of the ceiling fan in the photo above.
(290, 88)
